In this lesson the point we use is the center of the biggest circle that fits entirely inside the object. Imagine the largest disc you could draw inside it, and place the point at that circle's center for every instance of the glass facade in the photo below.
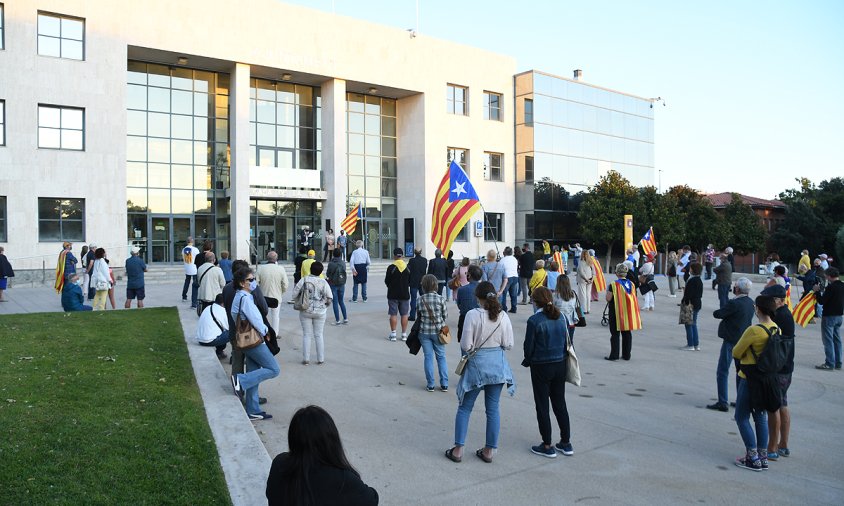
(372, 162)
(568, 136)
(276, 225)
(177, 158)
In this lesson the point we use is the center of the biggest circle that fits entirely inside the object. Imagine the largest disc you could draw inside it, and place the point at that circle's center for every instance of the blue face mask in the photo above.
(253, 285)
(79, 282)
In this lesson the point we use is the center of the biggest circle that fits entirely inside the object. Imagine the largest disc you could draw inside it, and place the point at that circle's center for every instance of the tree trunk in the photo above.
(609, 257)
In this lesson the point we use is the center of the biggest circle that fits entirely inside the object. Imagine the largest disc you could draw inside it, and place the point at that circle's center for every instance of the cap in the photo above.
(311, 253)
(823, 256)
(775, 291)
(135, 250)
(398, 252)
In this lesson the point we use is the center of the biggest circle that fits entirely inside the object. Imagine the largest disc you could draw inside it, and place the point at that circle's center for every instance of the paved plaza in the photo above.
(640, 431)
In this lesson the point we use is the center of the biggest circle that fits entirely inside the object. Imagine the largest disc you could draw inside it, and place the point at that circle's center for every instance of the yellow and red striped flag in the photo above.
(627, 315)
(804, 311)
(558, 257)
(455, 202)
(648, 242)
(351, 222)
(599, 279)
(59, 284)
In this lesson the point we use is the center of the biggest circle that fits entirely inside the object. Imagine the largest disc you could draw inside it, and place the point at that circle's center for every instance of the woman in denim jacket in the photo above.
(488, 330)
(545, 353)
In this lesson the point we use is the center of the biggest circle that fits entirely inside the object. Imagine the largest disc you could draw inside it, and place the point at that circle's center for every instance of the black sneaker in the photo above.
(747, 463)
(238, 390)
(565, 449)
(262, 400)
(263, 415)
(718, 407)
(540, 450)
(444, 389)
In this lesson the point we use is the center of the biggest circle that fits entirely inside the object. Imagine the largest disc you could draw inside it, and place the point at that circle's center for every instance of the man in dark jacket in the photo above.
(526, 266)
(735, 317)
(723, 280)
(439, 268)
(832, 300)
(418, 266)
(398, 294)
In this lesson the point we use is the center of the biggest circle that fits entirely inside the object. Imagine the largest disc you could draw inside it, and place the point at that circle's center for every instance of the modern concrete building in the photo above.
(145, 122)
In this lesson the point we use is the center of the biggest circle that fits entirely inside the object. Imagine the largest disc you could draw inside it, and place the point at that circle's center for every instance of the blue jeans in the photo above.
(414, 293)
(760, 419)
(431, 347)
(723, 295)
(338, 292)
(722, 374)
(513, 290)
(355, 291)
(692, 338)
(492, 395)
(261, 366)
(220, 342)
(831, 335)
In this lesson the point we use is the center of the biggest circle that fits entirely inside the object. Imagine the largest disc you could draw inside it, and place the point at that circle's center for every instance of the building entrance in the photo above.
(160, 238)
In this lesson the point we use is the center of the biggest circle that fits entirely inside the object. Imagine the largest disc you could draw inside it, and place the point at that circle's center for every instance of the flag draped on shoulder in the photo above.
(627, 316)
(648, 242)
(454, 203)
(598, 273)
(350, 223)
(558, 257)
(59, 285)
(804, 311)
(788, 293)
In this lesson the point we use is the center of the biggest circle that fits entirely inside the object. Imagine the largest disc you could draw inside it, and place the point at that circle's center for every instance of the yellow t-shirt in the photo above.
(754, 338)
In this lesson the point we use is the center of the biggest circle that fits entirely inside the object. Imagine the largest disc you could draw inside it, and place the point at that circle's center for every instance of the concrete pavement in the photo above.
(640, 430)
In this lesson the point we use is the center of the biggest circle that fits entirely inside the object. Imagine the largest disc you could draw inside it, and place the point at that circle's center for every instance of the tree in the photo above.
(602, 212)
(839, 244)
(660, 212)
(743, 228)
(801, 229)
(813, 216)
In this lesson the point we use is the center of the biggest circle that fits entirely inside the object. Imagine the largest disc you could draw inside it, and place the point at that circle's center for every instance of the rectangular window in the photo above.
(2, 28)
(61, 127)
(528, 169)
(528, 111)
(463, 235)
(457, 100)
(61, 36)
(493, 227)
(61, 220)
(459, 155)
(3, 236)
(492, 166)
(492, 106)
(2, 122)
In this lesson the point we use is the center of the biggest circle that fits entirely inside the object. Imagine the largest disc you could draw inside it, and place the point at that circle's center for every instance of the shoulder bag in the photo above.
(445, 333)
(572, 366)
(300, 302)
(461, 366)
(581, 319)
(246, 337)
(686, 316)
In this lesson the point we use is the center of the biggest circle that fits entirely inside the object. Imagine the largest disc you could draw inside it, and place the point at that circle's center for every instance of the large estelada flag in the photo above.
(455, 202)
(627, 316)
(804, 311)
(59, 285)
(598, 276)
(648, 242)
(558, 257)
(350, 223)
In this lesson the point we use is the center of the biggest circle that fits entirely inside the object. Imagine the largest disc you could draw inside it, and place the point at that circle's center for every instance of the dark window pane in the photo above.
(72, 231)
(49, 231)
(49, 209)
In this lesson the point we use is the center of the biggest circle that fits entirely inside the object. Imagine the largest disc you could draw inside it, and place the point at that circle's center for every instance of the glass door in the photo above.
(181, 231)
(160, 245)
(373, 237)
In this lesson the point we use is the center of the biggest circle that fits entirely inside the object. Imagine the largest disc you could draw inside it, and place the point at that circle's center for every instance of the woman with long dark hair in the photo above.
(315, 471)
(545, 353)
(566, 302)
(487, 333)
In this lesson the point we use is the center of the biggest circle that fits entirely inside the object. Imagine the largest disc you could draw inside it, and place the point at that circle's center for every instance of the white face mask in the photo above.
(78, 282)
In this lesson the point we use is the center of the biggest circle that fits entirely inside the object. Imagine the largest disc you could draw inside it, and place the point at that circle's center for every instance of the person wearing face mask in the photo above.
(259, 360)
(72, 297)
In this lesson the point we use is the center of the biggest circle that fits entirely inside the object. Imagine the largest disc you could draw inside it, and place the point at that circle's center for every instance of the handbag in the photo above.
(686, 311)
(445, 333)
(572, 366)
(461, 366)
(245, 337)
(299, 301)
(581, 319)
(413, 343)
(102, 285)
(454, 283)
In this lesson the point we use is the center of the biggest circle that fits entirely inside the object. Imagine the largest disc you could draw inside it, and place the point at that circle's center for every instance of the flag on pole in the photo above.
(351, 222)
(558, 257)
(627, 315)
(804, 311)
(600, 283)
(648, 242)
(454, 203)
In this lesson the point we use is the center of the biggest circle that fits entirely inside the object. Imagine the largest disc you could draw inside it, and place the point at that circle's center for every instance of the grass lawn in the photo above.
(103, 408)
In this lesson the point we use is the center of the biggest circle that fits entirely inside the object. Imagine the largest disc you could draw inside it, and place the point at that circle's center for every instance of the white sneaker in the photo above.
(391, 337)
(404, 337)
(697, 348)
(688, 348)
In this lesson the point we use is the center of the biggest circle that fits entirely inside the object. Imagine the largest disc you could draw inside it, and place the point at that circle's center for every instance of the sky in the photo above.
(754, 90)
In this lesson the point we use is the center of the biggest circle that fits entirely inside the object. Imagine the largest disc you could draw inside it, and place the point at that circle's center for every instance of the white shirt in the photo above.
(684, 260)
(636, 256)
(359, 256)
(647, 269)
(189, 254)
(510, 266)
(206, 329)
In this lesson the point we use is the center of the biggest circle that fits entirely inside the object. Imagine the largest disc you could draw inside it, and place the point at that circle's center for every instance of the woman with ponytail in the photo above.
(545, 354)
(487, 333)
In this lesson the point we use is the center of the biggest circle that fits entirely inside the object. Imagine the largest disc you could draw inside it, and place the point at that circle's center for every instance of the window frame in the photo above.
(2, 122)
(528, 118)
(2, 26)
(61, 221)
(465, 165)
(463, 235)
(499, 227)
(60, 128)
(451, 101)
(4, 218)
(60, 38)
(488, 166)
(488, 108)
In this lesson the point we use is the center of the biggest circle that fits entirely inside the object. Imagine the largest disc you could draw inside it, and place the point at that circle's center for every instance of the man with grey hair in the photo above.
(135, 269)
(736, 316)
(272, 278)
(211, 282)
(360, 269)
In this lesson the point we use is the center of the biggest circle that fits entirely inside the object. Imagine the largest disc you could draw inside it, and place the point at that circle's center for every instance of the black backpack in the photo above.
(775, 355)
(338, 274)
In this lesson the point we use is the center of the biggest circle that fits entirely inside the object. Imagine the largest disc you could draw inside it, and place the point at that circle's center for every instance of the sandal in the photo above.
(480, 454)
(449, 454)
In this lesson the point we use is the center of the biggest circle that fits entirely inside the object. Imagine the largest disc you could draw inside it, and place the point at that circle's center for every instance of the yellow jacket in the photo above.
(804, 265)
(538, 279)
(754, 338)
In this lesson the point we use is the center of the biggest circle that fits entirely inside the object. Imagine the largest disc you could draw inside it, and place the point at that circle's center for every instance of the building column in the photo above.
(333, 154)
(239, 142)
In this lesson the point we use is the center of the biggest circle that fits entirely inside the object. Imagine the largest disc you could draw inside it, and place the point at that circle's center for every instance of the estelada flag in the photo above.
(454, 203)
(648, 242)
(59, 286)
(627, 316)
(599, 279)
(804, 311)
(350, 223)
(788, 293)
(559, 259)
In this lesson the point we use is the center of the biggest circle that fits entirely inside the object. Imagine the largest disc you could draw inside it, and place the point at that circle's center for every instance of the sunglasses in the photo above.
(250, 279)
